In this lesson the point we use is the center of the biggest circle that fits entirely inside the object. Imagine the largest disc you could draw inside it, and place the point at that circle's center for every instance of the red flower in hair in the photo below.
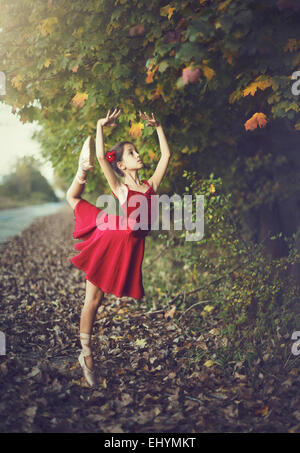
(110, 155)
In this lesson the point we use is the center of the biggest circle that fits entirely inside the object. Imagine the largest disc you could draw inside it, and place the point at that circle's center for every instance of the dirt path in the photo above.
(148, 381)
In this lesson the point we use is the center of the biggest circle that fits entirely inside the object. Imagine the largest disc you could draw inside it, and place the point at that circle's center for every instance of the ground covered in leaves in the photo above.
(147, 379)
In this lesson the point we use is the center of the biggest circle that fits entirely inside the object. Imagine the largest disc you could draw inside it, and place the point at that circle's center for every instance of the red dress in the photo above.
(112, 258)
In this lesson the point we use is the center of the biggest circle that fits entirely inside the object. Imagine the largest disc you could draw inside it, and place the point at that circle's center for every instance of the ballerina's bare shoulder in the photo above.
(121, 193)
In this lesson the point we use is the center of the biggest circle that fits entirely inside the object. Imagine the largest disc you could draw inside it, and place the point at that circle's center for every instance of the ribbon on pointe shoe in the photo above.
(86, 350)
(86, 160)
(81, 175)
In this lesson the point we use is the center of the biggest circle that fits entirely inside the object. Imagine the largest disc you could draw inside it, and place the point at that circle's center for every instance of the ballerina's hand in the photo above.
(110, 118)
(150, 121)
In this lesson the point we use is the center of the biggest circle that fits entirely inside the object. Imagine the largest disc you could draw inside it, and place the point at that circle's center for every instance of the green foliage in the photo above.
(67, 63)
(251, 298)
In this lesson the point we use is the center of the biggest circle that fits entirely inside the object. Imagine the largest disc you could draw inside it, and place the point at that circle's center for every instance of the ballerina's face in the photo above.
(131, 157)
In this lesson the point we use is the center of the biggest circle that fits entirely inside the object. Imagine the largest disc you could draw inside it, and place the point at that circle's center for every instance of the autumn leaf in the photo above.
(223, 5)
(140, 342)
(170, 12)
(167, 11)
(151, 154)
(208, 363)
(156, 93)
(79, 99)
(208, 72)
(150, 74)
(212, 188)
(136, 130)
(261, 84)
(258, 119)
(47, 63)
(17, 82)
(47, 26)
(214, 331)
(208, 308)
(170, 313)
(263, 411)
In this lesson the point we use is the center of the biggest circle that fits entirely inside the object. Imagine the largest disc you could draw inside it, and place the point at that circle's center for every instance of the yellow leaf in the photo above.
(79, 99)
(47, 62)
(170, 12)
(157, 92)
(127, 84)
(212, 188)
(223, 5)
(125, 108)
(208, 363)
(214, 331)
(208, 72)
(136, 130)
(78, 33)
(208, 308)
(261, 84)
(47, 26)
(151, 154)
(292, 106)
(73, 367)
(81, 382)
(140, 342)
(17, 82)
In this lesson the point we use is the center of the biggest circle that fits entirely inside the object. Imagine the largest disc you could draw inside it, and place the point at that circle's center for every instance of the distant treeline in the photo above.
(25, 185)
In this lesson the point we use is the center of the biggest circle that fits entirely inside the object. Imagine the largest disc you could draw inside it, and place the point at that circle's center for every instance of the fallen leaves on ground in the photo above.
(147, 378)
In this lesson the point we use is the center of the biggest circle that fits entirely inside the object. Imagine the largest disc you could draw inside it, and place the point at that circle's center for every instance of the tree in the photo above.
(218, 74)
(25, 182)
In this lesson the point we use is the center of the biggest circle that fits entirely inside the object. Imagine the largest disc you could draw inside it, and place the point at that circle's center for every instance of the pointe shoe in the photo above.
(89, 375)
(86, 160)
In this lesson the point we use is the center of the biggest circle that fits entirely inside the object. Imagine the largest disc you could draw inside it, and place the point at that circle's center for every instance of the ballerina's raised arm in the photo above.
(109, 173)
(163, 162)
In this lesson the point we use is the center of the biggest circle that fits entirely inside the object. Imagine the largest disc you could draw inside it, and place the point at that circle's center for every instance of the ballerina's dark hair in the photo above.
(119, 149)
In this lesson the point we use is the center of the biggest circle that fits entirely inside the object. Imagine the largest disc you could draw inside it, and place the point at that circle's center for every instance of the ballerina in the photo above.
(111, 258)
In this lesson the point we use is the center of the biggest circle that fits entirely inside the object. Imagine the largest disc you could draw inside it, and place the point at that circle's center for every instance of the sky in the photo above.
(16, 141)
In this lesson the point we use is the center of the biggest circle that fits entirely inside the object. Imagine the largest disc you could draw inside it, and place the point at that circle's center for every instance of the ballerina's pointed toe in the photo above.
(86, 160)
(87, 154)
(89, 375)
